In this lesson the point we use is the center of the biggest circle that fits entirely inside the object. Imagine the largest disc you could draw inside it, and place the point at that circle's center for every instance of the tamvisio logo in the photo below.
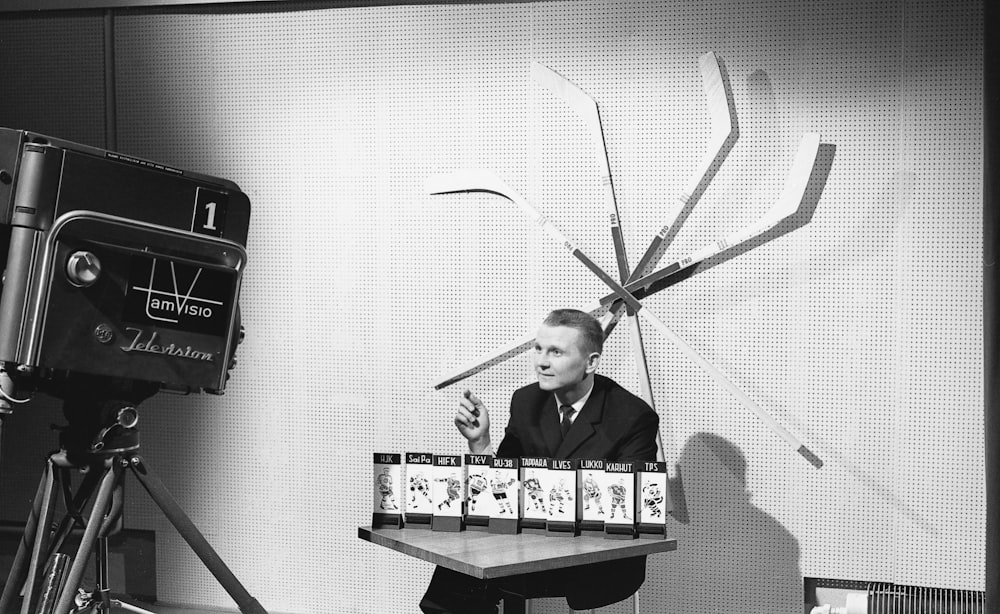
(177, 295)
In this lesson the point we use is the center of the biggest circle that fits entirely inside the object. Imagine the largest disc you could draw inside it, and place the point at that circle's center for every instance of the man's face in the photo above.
(561, 362)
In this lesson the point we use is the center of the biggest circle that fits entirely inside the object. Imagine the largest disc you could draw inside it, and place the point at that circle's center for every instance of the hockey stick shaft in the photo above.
(733, 389)
(645, 384)
(499, 355)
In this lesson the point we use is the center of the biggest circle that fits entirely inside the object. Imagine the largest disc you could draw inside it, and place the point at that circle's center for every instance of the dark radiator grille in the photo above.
(887, 598)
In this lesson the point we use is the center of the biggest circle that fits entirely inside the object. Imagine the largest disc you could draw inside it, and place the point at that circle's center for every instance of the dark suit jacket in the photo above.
(614, 425)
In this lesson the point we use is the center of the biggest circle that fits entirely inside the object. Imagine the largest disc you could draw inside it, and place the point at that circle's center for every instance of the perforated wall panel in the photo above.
(53, 76)
(859, 332)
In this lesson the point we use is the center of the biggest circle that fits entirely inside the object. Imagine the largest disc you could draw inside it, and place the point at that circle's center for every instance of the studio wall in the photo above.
(860, 331)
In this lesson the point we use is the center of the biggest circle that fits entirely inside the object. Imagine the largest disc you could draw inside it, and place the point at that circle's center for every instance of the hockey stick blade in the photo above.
(724, 134)
(479, 180)
(586, 108)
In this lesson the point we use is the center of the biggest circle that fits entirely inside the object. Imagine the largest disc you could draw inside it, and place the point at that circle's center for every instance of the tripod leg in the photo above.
(168, 505)
(102, 592)
(97, 513)
(74, 504)
(19, 569)
(52, 583)
(40, 548)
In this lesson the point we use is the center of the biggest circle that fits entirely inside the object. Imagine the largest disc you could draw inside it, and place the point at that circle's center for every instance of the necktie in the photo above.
(567, 411)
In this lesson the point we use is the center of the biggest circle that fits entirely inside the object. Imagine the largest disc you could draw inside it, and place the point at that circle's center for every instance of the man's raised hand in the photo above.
(473, 422)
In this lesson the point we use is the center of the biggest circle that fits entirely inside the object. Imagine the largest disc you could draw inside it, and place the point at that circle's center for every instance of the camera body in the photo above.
(116, 267)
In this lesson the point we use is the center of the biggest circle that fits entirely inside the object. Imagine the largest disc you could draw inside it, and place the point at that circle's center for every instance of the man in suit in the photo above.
(600, 419)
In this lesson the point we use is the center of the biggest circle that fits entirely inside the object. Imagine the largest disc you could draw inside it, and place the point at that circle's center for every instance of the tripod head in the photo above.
(101, 414)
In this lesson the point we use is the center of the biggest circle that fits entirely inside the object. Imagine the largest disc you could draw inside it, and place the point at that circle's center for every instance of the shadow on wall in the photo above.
(731, 556)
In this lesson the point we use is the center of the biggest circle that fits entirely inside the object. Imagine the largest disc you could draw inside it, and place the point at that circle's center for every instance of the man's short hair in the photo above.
(590, 328)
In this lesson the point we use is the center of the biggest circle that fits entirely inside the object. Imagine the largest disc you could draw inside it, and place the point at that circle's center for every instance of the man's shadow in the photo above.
(731, 556)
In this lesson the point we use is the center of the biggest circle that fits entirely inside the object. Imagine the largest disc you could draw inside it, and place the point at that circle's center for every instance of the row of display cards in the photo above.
(617, 500)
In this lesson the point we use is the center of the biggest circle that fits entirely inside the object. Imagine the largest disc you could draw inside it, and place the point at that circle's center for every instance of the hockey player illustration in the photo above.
(533, 488)
(453, 484)
(499, 488)
(558, 494)
(592, 490)
(477, 484)
(618, 493)
(383, 483)
(419, 486)
(652, 498)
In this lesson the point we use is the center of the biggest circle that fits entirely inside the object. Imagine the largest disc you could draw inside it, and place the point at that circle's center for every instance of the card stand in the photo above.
(418, 521)
(479, 498)
(563, 497)
(619, 531)
(653, 500)
(386, 504)
(591, 483)
(651, 530)
(451, 524)
(477, 523)
(506, 492)
(620, 478)
(560, 528)
(387, 521)
(448, 493)
(419, 508)
(505, 526)
(534, 514)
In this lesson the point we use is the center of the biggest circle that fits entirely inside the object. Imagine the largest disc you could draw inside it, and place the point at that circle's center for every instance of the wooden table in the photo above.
(491, 555)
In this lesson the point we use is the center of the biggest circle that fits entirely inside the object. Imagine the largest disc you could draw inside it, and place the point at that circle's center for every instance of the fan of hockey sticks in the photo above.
(633, 285)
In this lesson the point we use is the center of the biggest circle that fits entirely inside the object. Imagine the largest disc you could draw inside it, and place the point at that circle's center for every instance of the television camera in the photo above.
(121, 279)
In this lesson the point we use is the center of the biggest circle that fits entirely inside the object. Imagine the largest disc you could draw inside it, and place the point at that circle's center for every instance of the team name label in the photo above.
(504, 463)
(618, 467)
(477, 459)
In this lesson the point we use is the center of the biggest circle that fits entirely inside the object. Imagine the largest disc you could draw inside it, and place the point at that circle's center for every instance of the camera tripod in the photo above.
(50, 583)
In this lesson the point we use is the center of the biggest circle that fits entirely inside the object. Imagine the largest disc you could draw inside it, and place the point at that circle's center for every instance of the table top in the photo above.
(493, 555)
